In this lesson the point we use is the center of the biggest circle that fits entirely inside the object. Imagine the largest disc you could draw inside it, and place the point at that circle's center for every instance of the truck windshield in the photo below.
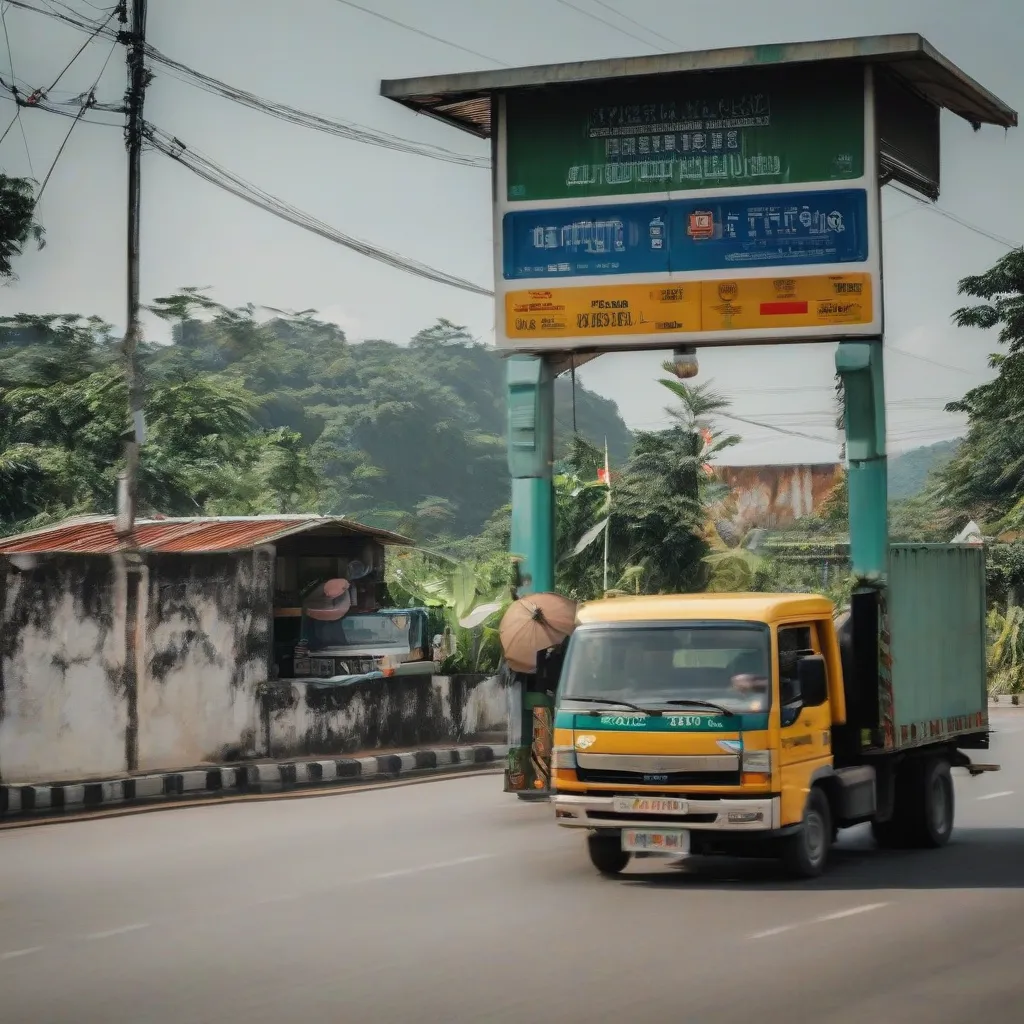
(723, 665)
(374, 630)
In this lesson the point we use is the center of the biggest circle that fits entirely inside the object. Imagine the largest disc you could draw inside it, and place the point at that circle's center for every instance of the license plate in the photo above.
(649, 805)
(645, 841)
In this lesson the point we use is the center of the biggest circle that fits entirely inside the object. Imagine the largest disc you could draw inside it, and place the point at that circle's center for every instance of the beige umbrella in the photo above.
(533, 624)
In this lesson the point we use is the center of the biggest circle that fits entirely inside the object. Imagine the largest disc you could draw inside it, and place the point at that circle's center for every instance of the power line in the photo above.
(207, 169)
(51, 108)
(81, 49)
(925, 359)
(633, 21)
(421, 32)
(604, 21)
(344, 129)
(74, 123)
(14, 74)
(942, 212)
(11, 125)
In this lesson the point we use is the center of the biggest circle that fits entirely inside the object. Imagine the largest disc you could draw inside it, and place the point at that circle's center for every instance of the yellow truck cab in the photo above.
(704, 723)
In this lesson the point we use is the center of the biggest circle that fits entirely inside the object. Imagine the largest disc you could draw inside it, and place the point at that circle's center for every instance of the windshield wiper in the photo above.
(702, 704)
(614, 703)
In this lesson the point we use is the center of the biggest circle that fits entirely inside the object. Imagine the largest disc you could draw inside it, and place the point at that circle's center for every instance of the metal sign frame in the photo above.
(728, 289)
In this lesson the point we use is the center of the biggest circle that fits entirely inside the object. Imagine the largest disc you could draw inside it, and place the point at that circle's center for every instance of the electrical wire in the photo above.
(212, 172)
(51, 108)
(345, 129)
(74, 124)
(421, 32)
(14, 74)
(81, 49)
(942, 212)
(334, 126)
(11, 125)
(633, 21)
(604, 21)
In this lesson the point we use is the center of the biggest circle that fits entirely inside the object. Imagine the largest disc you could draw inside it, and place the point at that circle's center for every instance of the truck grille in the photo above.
(685, 778)
(667, 769)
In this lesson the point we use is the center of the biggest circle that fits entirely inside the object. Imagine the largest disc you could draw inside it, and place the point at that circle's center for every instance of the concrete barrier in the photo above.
(20, 804)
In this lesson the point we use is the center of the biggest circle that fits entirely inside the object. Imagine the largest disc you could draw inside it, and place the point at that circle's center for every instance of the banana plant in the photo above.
(470, 612)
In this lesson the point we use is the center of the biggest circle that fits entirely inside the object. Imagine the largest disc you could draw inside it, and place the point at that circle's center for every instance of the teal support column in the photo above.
(859, 364)
(531, 452)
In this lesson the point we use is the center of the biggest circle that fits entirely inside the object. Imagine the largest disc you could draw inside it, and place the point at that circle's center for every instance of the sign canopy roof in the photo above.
(464, 100)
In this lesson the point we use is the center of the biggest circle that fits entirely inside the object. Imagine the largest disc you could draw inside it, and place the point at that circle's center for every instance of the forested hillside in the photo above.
(909, 471)
(250, 415)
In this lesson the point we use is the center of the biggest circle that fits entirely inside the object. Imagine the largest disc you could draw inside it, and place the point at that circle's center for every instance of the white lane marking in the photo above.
(835, 916)
(853, 911)
(768, 932)
(401, 872)
(994, 796)
(15, 953)
(111, 932)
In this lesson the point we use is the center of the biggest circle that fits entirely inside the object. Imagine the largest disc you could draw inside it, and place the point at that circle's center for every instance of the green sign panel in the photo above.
(719, 130)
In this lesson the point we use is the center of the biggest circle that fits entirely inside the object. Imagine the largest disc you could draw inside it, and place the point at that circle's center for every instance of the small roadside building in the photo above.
(125, 654)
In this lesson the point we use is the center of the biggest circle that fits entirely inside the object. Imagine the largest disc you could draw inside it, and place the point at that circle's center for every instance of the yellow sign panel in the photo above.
(605, 310)
(786, 302)
(690, 307)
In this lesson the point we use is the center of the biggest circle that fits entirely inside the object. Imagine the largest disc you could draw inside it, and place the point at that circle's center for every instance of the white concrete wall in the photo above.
(301, 719)
(63, 714)
(207, 651)
(485, 708)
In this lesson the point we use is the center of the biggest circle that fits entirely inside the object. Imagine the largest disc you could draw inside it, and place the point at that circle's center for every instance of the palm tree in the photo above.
(664, 498)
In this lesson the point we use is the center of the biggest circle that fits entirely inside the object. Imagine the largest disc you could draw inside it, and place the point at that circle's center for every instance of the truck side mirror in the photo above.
(810, 673)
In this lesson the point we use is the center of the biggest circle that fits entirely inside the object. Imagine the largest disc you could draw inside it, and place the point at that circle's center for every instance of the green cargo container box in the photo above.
(936, 641)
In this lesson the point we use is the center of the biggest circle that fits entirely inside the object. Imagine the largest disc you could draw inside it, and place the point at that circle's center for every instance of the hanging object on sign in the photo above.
(684, 363)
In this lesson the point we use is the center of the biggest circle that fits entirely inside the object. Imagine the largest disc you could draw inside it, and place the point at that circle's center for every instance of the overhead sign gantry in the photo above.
(720, 197)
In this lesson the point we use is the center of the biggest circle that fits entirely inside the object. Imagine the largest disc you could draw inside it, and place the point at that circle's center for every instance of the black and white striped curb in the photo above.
(228, 780)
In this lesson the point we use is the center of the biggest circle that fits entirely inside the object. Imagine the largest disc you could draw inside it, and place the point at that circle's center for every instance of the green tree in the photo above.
(662, 504)
(18, 225)
(984, 480)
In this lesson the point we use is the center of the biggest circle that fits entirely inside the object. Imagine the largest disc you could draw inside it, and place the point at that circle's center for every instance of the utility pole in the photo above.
(138, 79)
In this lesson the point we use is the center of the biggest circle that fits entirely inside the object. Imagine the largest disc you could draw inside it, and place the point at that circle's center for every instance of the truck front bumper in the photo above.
(707, 814)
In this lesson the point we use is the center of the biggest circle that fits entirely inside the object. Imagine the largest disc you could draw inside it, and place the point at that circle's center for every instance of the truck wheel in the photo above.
(606, 854)
(932, 820)
(805, 854)
(890, 835)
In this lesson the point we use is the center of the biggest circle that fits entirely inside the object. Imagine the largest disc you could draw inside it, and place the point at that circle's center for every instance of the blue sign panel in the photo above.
(729, 233)
(573, 242)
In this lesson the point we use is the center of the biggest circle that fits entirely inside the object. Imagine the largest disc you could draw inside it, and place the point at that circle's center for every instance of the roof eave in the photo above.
(961, 93)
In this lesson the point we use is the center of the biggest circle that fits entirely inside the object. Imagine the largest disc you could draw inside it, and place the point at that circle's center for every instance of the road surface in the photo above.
(450, 902)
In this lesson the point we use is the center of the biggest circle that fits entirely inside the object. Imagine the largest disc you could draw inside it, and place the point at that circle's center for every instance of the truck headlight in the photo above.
(564, 757)
(757, 762)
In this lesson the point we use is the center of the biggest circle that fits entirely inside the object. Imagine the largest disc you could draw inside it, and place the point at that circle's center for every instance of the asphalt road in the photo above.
(451, 902)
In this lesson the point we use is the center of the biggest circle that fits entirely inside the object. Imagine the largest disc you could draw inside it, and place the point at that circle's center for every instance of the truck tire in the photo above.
(805, 853)
(931, 819)
(891, 834)
(922, 813)
(607, 855)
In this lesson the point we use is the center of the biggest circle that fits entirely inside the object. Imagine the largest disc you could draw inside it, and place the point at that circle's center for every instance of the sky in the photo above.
(328, 57)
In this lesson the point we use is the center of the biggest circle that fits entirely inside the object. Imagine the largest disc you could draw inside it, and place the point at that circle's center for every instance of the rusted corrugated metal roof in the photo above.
(95, 535)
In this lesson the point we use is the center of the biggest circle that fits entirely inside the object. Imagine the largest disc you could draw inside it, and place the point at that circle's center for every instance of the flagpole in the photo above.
(608, 518)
